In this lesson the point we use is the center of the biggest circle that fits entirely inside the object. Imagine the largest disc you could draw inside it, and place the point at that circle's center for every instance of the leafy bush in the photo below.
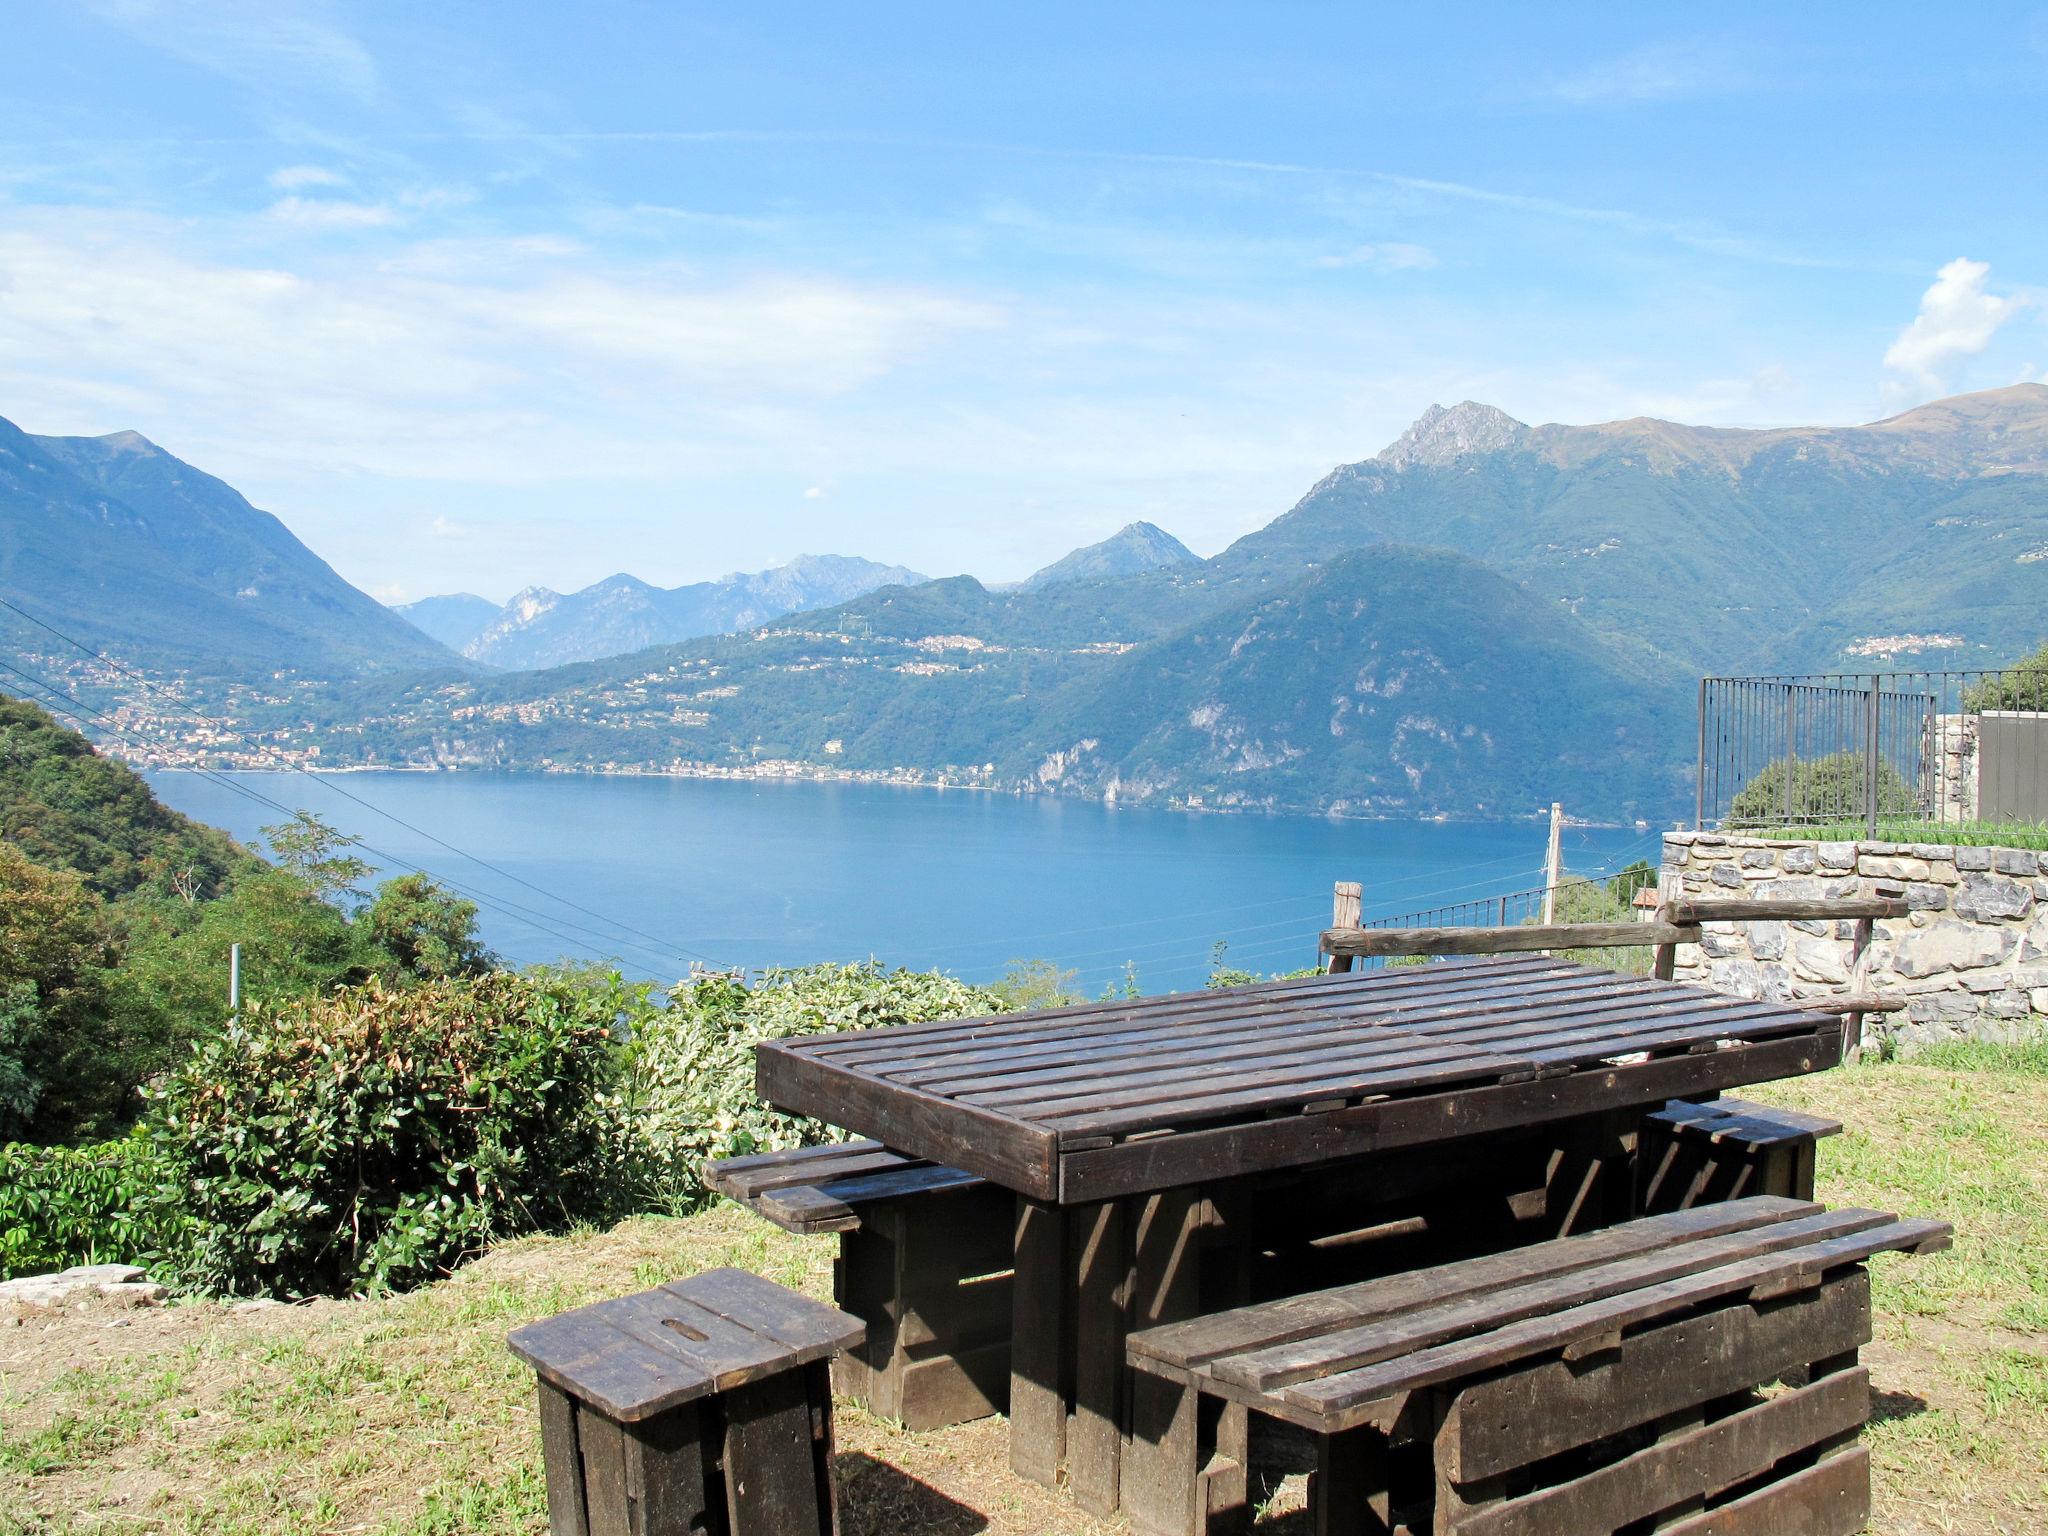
(61, 1206)
(370, 1139)
(2023, 687)
(693, 1063)
(1822, 787)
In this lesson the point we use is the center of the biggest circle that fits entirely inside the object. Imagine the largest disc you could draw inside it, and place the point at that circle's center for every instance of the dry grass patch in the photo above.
(406, 1416)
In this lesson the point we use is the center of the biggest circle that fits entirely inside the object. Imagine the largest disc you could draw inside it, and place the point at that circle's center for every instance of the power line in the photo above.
(512, 909)
(135, 737)
(664, 946)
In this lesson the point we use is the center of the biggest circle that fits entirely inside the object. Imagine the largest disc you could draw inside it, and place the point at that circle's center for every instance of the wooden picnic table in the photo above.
(1111, 1121)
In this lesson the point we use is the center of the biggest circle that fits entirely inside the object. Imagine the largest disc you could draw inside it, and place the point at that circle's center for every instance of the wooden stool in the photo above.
(702, 1408)
(924, 1261)
(1725, 1149)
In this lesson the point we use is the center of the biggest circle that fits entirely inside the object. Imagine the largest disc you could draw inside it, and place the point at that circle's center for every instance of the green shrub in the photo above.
(693, 1064)
(1822, 787)
(100, 1204)
(370, 1139)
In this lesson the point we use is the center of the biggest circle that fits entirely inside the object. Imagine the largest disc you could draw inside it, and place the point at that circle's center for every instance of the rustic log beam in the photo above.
(1368, 942)
(1866, 1003)
(1755, 909)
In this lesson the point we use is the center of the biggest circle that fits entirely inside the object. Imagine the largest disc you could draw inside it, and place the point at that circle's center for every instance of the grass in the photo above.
(407, 1417)
(1964, 834)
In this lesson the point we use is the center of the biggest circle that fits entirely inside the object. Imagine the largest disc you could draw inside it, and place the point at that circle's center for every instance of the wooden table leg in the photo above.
(1101, 1251)
(1038, 1344)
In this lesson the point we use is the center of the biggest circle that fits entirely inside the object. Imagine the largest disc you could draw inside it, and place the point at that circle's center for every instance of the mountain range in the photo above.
(1792, 549)
(1480, 618)
(134, 551)
(1133, 548)
(540, 628)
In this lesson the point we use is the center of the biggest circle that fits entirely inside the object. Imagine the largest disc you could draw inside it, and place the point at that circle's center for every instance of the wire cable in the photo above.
(665, 946)
(137, 738)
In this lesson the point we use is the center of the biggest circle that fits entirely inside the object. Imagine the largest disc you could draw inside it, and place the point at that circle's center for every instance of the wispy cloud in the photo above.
(1675, 69)
(1958, 317)
(1388, 256)
(272, 45)
(329, 213)
(296, 178)
(445, 367)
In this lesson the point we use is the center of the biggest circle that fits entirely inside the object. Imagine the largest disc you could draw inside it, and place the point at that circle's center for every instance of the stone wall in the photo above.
(1971, 957)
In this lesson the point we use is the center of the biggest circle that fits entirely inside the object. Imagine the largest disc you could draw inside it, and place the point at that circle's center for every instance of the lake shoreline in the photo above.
(784, 771)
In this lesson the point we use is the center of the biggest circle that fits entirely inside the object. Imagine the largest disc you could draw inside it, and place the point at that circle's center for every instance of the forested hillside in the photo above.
(117, 915)
(1732, 551)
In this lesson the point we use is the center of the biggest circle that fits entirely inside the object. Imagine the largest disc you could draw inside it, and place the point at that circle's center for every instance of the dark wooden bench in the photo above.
(1698, 1153)
(1580, 1387)
(924, 1261)
(700, 1408)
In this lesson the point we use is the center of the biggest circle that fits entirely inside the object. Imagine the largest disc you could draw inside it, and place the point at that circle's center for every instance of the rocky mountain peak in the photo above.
(1442, 436)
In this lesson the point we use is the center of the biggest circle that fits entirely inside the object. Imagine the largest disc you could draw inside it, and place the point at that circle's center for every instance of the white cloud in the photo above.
(1957, 319)
(814, 492)
(276, 47)
(294, 178)
(514, 362)
(329, 213)
(1386, 257)
(1671, 70)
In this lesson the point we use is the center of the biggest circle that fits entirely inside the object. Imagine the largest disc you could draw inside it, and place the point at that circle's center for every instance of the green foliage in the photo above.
(1639, 876)
(2022, 687)
(117, 917)
(1580, 900)
(693, 1063)
(172, 981)
(1029, 984)
(1833, 786)
(319, 855)
(67, 807)
(1223, 974)
(1963, 834)
(58, 1073)
(423, 931)
(98, 1204)
(372, 1138)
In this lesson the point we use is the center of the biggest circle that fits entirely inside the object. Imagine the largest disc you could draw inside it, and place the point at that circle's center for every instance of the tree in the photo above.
(172, 985)
(2022, 687)
(319, 855)
(418, 930)
(1824, 789)
(61, 1068)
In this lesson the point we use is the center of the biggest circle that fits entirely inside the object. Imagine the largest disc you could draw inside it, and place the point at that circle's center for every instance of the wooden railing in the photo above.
(1676, 922)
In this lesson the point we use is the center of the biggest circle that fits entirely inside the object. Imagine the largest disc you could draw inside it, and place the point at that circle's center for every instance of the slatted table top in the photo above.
(1104, 1100)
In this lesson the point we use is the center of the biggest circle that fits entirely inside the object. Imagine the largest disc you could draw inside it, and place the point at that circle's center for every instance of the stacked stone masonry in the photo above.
(1971, 957)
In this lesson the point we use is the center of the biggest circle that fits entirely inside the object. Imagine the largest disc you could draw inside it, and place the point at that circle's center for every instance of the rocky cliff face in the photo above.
(1442, 436)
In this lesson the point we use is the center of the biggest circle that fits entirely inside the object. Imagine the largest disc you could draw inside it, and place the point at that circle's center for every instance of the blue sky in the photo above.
(483, 295)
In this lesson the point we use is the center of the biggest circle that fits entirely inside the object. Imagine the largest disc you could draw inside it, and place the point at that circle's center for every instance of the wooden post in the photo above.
(1347, 910)
(1859, 986)
(1553, 863)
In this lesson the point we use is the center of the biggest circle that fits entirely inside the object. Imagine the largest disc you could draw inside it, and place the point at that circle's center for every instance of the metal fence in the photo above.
(1864, 752)
(1598, 898)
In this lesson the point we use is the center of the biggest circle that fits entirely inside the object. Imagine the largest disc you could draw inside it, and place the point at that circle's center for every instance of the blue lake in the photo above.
(656, 872)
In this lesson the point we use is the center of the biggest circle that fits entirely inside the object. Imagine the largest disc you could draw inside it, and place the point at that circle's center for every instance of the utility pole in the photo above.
(235, 979)
(1553, 863)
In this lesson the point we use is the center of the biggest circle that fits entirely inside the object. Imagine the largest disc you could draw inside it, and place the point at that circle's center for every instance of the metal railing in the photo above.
(1865, 752)
(1516, 907)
